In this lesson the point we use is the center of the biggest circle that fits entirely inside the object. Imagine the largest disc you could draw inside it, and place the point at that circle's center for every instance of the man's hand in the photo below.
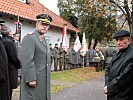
(105, 90)
(32, 83)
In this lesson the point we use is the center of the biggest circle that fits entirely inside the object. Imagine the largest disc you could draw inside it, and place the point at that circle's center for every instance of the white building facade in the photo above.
(54, 35)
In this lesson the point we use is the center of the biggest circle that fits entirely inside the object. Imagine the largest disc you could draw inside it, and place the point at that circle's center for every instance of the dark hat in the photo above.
(44, 18)
(2, 21)
(122, 33)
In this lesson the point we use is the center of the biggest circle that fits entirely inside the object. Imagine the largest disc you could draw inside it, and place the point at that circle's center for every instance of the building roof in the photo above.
(29, 11)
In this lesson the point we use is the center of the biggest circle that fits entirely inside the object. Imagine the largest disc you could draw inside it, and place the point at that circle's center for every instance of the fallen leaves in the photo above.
(76, 75)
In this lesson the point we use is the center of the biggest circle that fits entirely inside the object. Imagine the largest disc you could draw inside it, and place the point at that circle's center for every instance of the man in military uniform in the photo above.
(61, 59)
(35, 58)
(66, 61)
(73, 57)
(56, 54)
(51, 54)
(108, 53)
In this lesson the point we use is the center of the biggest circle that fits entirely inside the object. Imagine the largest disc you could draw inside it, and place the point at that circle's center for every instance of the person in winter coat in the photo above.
(109, 51)
(4, 77)
(56, 56)
(119, 73)
(90, 56)
(35, 58)
(13, 61)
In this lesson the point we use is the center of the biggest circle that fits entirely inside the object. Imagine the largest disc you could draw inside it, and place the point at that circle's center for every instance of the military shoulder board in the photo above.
(30, 33)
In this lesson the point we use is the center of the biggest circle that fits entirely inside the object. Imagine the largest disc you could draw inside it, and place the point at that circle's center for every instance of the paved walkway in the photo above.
(57, 82)
(91, 90)
(16, 93)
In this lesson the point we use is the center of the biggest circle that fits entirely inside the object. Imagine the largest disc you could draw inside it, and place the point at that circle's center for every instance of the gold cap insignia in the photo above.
(43, 21)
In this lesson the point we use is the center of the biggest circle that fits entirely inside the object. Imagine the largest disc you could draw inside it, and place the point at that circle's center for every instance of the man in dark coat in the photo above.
(119, 73)
(13, 61)
(4, 81)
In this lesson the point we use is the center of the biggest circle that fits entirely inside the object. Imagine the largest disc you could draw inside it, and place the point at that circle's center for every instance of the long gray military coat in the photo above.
(35, 59)
(73, 57)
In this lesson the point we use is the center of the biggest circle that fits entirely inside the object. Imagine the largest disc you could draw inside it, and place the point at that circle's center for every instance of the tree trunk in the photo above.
(131, 31)
(131, 25)
(89, 44)
(95, 44)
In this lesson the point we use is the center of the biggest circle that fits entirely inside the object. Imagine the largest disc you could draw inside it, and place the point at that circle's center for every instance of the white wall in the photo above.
(56, 35)
(26, 26)
(53, 34)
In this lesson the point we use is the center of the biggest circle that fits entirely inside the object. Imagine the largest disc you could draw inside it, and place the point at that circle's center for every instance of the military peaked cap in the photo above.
(44, 18)
(122, 33)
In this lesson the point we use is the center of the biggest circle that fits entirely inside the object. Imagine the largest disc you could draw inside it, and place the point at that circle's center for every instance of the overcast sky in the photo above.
(50, 4)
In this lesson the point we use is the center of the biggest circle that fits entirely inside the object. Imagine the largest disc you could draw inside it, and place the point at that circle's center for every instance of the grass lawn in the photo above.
(76, 75)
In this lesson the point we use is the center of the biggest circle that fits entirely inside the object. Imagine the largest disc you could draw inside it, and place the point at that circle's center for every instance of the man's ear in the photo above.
(37, 23)
(129, 39)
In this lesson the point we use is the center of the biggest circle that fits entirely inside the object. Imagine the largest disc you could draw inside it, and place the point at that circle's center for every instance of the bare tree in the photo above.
(126, 7)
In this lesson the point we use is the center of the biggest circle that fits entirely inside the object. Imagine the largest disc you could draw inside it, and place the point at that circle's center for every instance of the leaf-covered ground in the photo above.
(69, 77)
(56, 88)
(76, 75)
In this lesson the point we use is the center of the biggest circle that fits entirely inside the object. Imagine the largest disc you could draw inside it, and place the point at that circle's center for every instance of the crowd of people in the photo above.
(10, 64)
(99, 57)
(35, 57)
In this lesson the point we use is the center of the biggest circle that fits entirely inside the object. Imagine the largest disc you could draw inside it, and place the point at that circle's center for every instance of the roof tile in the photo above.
(29, 11)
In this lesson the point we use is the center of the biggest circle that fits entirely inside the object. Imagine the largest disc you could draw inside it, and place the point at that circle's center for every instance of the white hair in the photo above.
(5, 29)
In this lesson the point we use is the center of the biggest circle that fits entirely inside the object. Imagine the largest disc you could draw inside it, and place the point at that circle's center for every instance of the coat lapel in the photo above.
(121, 54)
(115, 57)
(43, 41)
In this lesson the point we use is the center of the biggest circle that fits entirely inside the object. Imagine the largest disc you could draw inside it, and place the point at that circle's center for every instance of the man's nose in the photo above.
(118, 41)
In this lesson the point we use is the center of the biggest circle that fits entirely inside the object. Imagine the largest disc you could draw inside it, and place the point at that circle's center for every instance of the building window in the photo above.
(24, 1)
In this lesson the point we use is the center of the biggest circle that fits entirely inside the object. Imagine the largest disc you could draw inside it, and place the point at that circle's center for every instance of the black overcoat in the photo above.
(4, 81)
(13, 61)
(119, 76)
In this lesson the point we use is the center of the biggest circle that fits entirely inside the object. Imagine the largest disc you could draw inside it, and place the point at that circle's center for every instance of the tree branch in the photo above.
(123, 24)
(112, 1)
(127, 11)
